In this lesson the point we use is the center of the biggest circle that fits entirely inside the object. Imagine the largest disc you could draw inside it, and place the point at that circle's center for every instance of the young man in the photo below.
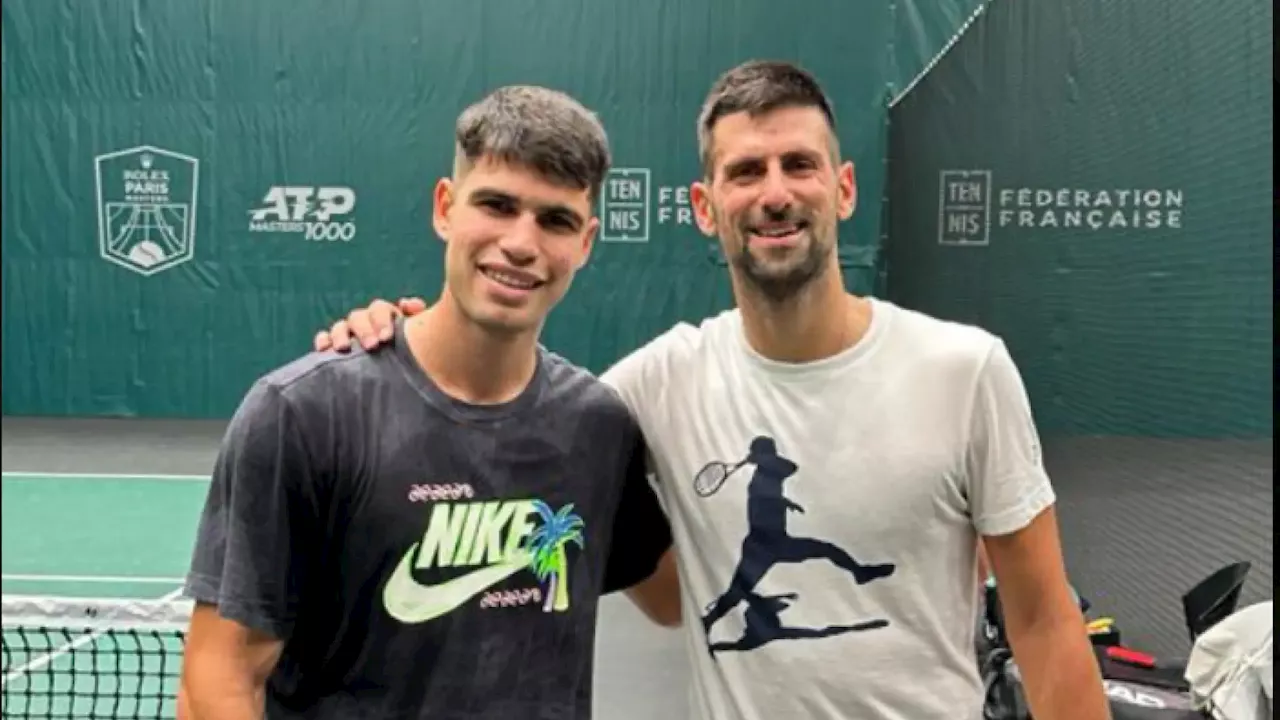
(831, 462)
(407, 534)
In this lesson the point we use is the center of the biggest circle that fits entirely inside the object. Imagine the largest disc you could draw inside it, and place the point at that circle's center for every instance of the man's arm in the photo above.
(226, 667)
(641, 559)
(250, 562)
(1013, 509)
(1045, 627)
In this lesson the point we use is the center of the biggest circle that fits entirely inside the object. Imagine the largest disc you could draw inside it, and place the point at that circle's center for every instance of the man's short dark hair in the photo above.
(758, 87)
(543, 130)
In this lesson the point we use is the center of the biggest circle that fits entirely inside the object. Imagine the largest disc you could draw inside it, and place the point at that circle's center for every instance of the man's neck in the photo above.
(466, 361)
(820, 321)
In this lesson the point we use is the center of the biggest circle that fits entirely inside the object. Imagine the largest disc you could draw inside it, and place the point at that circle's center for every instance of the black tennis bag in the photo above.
(1130, 699)
(1139, 686)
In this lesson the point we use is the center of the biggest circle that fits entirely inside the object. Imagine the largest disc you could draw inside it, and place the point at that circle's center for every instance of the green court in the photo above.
(90, 566)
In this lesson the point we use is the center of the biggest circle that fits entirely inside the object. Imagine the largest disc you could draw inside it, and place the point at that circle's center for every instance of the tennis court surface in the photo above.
(92, 571)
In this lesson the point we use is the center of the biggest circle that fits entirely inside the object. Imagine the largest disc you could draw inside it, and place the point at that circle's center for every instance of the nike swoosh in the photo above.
(409, 601)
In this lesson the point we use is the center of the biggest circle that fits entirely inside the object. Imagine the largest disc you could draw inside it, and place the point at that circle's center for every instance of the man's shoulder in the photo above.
(575, 388)
(676, 349)
(687, 339)
(322, 375)
(932, 338)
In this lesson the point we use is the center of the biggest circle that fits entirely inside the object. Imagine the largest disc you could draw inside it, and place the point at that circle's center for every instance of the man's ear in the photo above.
(848, 189)
(588, 241)
(704, 213)
(442, 202)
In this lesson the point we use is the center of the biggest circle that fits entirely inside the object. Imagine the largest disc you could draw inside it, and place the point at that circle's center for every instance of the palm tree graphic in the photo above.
(547, 547)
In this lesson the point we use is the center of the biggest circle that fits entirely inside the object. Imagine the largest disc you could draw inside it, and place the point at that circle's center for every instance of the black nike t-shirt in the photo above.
(423, 558)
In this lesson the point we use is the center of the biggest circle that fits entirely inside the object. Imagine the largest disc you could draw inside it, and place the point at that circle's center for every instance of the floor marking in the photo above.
(49, 657)
(118, 579)
(101, 476)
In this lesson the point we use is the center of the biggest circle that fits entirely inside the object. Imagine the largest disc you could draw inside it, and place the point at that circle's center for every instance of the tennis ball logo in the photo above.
(147, 254)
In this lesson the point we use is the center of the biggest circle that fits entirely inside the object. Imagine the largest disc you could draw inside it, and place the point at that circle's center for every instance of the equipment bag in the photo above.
(1130, 700)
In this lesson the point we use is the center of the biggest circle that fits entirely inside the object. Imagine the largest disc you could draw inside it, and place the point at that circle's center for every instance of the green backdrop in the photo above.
(1146, 342)
(1093, 181)
(191, 189)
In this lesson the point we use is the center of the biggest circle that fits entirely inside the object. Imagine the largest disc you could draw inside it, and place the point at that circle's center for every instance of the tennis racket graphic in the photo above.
(712, 475)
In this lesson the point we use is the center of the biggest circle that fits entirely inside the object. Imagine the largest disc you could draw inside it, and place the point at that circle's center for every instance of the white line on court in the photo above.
(101, 476)
(49, 657)
(15, 577)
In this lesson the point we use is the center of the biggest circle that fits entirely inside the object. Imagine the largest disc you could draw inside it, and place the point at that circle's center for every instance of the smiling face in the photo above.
(516, 215)
(774, 190)
(514, 241)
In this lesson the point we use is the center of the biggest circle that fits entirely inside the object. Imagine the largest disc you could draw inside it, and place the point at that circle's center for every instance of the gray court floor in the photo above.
(641, 668)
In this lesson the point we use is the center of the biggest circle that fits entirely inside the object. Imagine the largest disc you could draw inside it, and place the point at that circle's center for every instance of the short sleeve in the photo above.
(1007, 482)
(641, 530)
(259, 528)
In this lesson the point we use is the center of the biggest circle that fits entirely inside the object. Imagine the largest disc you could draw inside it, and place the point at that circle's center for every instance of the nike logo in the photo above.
(409, 601)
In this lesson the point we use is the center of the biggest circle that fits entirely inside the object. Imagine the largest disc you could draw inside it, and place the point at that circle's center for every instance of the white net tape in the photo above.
(95, 613)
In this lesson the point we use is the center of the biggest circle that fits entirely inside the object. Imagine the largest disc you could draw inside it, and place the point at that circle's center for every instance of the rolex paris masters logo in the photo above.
(146, 208)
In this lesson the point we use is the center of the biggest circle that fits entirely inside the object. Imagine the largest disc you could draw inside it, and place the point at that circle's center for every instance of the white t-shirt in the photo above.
(840, 555)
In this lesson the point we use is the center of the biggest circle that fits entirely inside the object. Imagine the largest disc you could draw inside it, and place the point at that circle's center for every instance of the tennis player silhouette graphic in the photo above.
(767, 543)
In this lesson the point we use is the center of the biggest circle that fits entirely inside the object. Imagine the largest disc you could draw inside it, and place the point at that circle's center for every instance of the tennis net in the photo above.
(72, 658)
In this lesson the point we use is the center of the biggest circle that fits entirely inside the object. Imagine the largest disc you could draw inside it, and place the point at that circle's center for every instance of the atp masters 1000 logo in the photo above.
(146, 208)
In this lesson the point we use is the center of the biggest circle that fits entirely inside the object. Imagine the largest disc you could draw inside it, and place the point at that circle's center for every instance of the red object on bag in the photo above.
(1131, 657)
